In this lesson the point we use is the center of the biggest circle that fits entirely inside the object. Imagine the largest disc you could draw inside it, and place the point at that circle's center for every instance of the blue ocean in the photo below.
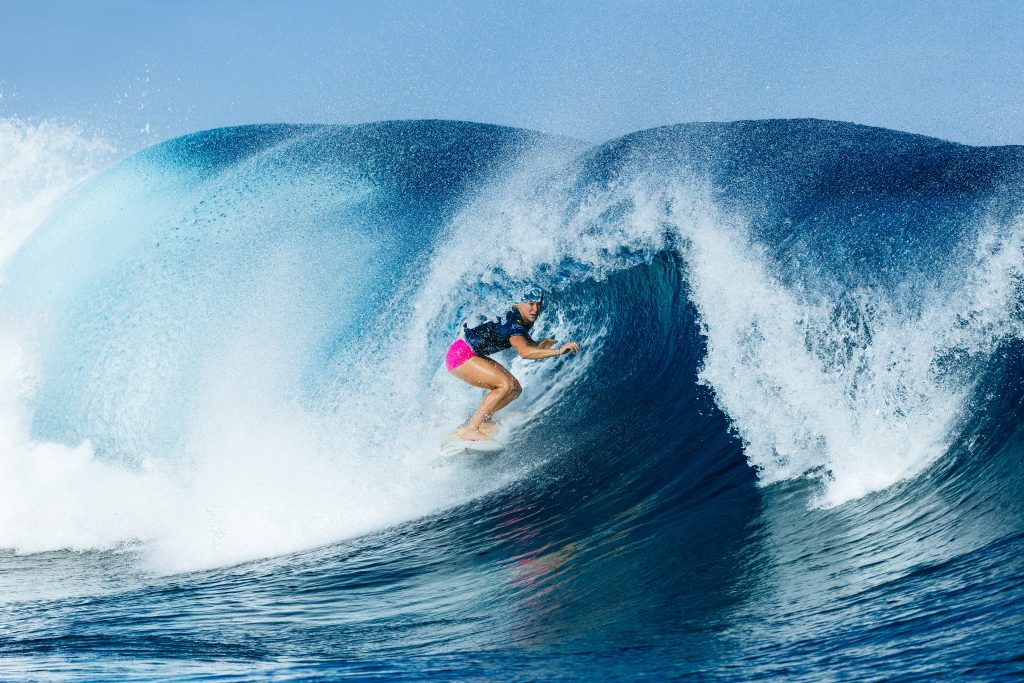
(790, 448)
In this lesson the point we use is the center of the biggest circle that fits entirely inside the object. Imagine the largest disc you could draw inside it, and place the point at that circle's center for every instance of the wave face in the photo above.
(790, 447)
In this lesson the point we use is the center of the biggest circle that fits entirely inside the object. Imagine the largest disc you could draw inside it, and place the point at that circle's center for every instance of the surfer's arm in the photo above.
(531, 350)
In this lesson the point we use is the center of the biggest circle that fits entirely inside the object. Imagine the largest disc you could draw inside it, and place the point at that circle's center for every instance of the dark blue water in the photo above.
(790, 447)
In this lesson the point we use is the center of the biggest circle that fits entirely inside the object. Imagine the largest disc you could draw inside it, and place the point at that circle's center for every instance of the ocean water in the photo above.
(789, 449)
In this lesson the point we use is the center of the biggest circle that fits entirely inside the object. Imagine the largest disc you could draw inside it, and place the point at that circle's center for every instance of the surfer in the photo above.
(467, 359)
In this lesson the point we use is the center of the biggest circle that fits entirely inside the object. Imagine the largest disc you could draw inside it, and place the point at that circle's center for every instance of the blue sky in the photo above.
(146, 70)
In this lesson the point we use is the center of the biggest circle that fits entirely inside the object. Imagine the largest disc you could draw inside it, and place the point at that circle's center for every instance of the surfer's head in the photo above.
(530, 305)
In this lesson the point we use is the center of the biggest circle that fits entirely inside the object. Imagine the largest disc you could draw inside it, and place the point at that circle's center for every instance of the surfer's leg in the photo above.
(502, 388)
(512, 395)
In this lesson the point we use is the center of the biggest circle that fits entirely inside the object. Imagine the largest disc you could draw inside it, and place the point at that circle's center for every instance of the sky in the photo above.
(141, 71)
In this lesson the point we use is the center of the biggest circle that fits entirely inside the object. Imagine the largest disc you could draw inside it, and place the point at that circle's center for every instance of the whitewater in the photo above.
(789, 447)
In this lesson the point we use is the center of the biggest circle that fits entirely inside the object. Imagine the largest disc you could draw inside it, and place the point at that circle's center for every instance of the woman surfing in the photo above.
(467, 359)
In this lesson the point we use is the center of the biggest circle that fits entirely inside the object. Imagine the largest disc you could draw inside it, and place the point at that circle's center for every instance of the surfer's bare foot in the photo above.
(468, 434)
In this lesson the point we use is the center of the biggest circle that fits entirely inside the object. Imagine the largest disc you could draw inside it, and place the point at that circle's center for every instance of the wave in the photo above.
(789, 445)
(236, 335)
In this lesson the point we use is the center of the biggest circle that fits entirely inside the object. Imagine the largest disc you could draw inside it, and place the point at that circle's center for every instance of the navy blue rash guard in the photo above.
(493, 335)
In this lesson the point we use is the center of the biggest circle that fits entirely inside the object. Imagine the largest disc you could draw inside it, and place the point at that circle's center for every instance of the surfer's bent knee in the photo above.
(510, 385)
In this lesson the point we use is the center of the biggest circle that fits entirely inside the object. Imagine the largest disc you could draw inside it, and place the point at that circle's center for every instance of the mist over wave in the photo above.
(800, 340)
(41, 164)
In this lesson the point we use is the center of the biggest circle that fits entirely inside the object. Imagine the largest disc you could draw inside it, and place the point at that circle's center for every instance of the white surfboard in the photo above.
(454, 446)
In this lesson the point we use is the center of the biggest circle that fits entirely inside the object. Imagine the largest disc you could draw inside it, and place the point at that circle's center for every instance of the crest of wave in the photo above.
(39, 164)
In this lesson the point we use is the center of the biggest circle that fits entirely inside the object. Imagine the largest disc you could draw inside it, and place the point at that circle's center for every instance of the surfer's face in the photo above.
(529, 310)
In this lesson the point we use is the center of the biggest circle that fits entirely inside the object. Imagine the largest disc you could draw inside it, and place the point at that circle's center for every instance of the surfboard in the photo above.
(452, 446)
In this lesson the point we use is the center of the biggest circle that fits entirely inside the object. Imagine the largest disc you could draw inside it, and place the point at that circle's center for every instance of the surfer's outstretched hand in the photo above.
(569, 346)
(547, 343)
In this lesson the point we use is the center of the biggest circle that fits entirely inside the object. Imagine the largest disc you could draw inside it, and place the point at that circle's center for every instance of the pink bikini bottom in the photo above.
(458, 353)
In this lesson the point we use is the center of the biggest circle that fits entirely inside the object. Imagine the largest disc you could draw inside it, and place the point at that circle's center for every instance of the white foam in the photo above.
(854, 395)
(54, 496)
